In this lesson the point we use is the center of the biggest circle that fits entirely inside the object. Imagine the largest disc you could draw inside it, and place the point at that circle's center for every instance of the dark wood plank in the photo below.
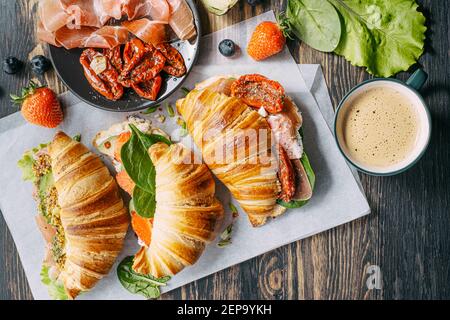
(406, 235)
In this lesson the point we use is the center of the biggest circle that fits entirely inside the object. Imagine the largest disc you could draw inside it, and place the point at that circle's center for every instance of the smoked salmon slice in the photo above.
(147, 30)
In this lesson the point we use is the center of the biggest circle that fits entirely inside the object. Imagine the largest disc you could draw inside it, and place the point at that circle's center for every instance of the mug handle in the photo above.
(417, 79)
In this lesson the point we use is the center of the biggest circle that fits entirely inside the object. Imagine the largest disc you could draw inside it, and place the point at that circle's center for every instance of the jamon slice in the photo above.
(85, 13)
(303, 189)
(113, 8)
(181, 19)
(158, 10)
(73, 38)
(46, 36)
(105, 37)
(52, 15)
(147, 30)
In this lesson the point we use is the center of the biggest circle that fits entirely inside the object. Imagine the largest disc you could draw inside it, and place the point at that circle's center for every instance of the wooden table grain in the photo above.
(407, 235)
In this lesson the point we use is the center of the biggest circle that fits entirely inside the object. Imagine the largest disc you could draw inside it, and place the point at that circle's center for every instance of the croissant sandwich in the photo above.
(249, 133)
(81, 214)
(173, 208)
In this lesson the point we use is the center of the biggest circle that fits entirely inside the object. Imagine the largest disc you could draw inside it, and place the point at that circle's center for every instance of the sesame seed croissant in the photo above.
(93, 215)
(187, 213)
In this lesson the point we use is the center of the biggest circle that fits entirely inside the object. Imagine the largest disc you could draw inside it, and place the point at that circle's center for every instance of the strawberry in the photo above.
(267, 39)
(40, 106)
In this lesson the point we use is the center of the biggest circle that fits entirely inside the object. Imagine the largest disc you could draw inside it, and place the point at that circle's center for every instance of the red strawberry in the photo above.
(267, 39)
(40, 106)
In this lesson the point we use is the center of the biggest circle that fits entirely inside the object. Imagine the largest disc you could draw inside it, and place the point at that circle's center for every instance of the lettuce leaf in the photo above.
(26, 163)
(385, 36)
(55, 288)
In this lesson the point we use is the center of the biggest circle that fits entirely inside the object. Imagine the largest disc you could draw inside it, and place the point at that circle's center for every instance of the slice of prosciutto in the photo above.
(52, 15)
(147, 30)
(285, 126)
(181, 19)
(113, 8)
(47, 36)
(73, 38)
(81, 23)
(85, 13)
(89, 37)
(158, 10)
(107, 37)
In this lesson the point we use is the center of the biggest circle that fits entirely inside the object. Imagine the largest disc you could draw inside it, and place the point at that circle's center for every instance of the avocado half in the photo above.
(219, 7)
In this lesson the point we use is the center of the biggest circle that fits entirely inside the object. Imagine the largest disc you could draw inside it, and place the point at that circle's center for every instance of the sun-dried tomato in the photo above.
(257, 91)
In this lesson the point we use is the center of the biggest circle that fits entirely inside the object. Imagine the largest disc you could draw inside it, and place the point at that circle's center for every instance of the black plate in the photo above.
(69, 70)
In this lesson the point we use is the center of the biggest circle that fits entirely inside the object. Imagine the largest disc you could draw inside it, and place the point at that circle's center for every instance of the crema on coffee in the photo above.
(379, 127)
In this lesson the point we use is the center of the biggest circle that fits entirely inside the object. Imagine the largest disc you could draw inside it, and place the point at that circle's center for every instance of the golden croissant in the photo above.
(82, 216)
(236, 144)
(187, 213)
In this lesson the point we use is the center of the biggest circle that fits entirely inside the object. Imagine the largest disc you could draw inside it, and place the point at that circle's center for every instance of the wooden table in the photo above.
(407, 235)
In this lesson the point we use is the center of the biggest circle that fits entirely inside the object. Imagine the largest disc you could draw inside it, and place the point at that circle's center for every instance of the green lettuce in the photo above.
(55, 288)
(385, 36)
(25, 164)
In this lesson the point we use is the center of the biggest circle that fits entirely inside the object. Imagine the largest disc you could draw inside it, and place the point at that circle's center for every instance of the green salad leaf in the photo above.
(315, 22)
(138, 165)
(26, 165)
(55, 288)
(136, 160)
(144, 203)
(137, 283)
(385, 36)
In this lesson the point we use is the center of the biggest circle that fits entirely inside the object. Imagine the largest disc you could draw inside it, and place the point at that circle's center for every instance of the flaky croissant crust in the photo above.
(252, 182)
(93, 215)
(187, 213)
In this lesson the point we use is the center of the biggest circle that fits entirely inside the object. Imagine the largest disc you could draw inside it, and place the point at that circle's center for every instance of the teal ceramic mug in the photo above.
(409, 90)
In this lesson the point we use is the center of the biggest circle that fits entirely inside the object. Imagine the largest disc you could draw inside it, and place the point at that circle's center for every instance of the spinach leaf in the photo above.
(144, 202)
(385, 36)
(151, 109)
(77, 137)
(315, 22)
(134, 282)
(138, 165)
(136, 160)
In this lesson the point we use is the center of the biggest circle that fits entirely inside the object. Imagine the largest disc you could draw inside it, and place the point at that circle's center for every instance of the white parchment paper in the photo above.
(337, 198)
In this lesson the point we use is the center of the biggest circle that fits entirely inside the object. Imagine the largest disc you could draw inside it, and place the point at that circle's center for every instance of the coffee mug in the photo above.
(406, 90)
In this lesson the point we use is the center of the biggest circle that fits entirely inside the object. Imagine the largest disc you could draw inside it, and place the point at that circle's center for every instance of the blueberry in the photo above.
(227, 47)
(12, 65)
(40, 64)
(254, 2)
